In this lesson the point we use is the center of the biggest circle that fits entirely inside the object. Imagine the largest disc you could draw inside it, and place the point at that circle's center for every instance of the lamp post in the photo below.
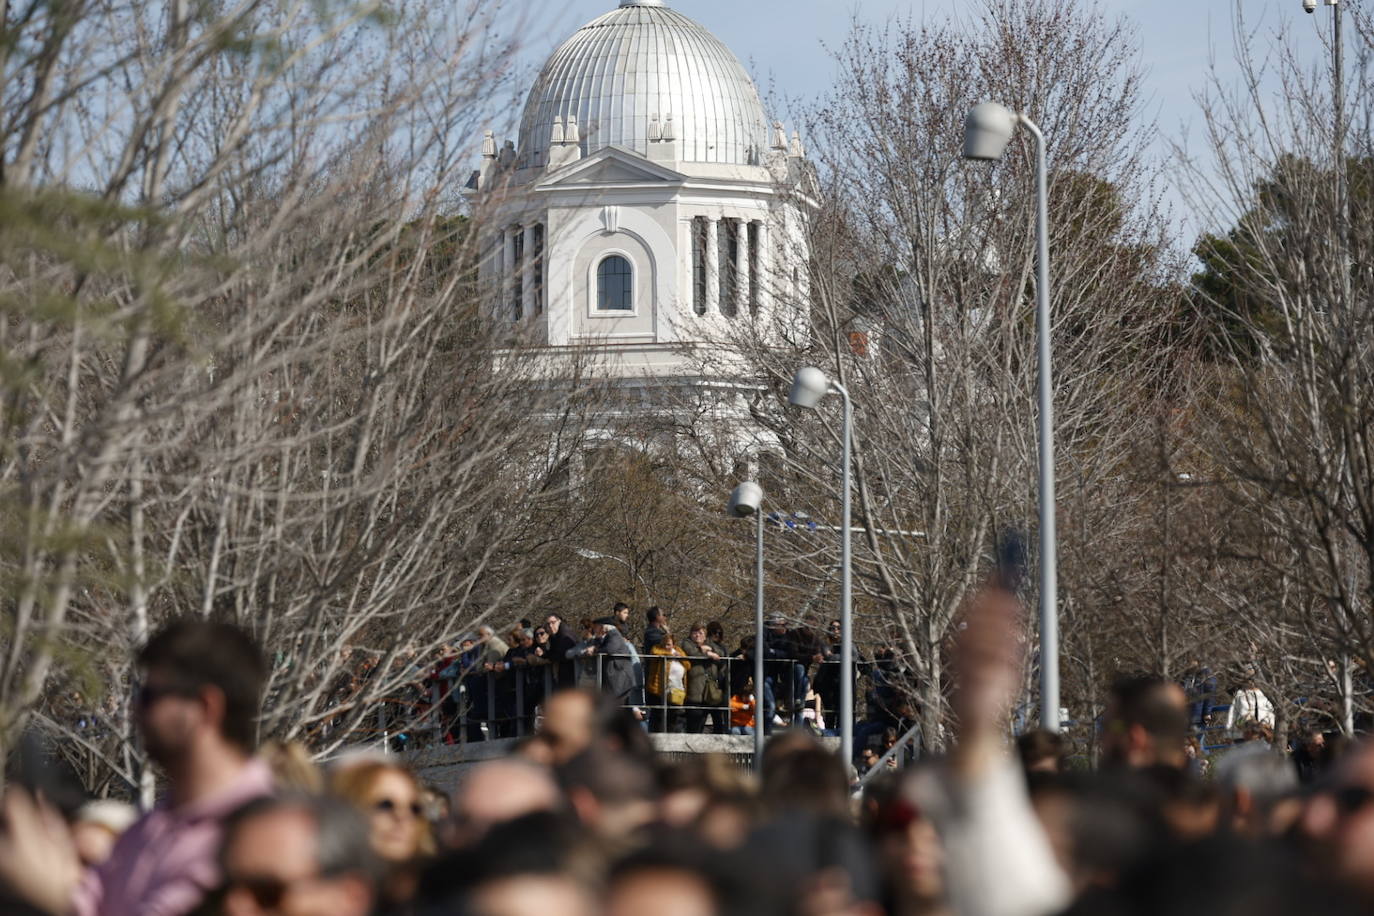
(747, 500)
(809, 385)
(987, 130)
(1338, 139)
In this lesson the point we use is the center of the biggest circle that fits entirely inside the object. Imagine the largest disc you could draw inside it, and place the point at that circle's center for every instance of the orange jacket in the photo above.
(741, 711)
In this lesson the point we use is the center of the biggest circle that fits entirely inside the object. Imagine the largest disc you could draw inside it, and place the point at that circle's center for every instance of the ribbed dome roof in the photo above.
(641, 60)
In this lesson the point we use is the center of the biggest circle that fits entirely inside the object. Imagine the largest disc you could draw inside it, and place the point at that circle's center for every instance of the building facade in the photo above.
(647, 205)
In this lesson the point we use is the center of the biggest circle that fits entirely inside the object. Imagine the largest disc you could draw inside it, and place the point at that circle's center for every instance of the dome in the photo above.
(643, 59)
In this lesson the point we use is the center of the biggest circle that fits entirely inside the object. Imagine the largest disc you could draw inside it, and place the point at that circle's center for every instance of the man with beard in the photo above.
(196, 710)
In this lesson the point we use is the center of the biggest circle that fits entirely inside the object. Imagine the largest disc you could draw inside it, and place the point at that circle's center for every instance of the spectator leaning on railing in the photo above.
(620, 676)
(668, 685)
(705, 682)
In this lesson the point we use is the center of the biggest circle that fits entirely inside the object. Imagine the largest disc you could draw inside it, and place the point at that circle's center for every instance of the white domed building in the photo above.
(640, 210)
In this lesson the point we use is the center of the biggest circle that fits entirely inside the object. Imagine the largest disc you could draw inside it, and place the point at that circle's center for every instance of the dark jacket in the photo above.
(653, 636)
(564, 671)
(617, 673)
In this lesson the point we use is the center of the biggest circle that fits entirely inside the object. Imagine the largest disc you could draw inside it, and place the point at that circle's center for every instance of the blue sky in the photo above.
(784, 40)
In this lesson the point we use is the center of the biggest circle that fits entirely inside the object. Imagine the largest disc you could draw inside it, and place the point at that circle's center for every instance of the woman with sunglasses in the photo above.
(392, 800)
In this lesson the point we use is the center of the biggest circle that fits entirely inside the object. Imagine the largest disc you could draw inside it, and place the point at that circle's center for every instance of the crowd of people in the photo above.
(582, 816)
(684, 679)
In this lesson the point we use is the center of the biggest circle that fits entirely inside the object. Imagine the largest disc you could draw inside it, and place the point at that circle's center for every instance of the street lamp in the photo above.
(987, 130)
(746, 501)
(809, 385)
(1338, 137)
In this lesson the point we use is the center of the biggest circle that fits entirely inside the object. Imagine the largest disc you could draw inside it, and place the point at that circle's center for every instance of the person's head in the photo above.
(1041, 751)
(1146, 723)
(502, 790)
(612, 793)
(667, 879)
(97, 825)
(393, 800)
(466, 644)
(541, 636)
(1258, 789)
(834, 630)
(571, 722)
(298, 856)
(869, 756)
(519, 636)
(485, 633)
(202, 683)
(1339, 820)
(554, 623)
(697, 633)
(777, 624)
(909, 852)
(805, 778)
(293, 769)
(715, 631)
(621, 612)
(675, 874)
(669, 642)
(536, 865)
(1313, 740)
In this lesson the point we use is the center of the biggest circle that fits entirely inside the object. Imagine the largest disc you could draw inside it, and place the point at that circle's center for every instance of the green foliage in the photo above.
(1275, 249)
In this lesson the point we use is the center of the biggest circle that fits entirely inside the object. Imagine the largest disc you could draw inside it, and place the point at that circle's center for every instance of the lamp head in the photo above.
(1309, 5)
(745, 500)
(987, 130)
(809, 385)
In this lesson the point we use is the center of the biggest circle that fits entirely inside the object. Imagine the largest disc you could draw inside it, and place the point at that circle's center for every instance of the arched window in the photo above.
(613, 285)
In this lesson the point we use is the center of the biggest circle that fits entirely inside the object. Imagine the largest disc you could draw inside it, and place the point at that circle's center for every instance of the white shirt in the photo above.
(1250, 705)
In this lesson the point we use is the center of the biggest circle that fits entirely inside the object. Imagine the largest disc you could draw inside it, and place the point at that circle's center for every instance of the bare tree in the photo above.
(1286, 292)
(247, 371)
(921, 304)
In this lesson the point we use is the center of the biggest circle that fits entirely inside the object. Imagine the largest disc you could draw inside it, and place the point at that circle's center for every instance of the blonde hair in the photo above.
(292, 767)
(353, 783)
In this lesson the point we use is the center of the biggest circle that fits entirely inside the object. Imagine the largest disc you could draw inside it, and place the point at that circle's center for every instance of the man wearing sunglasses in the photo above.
(301, 856)
(1338, 822)
(196, 709)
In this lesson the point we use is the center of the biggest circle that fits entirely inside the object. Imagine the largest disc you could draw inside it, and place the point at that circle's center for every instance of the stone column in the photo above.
(762, 260)
(507, 270)
(742, 279)
(712, 266)
(528, 267)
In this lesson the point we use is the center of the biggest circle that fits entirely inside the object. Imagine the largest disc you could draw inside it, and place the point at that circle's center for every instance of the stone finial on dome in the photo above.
(507, 157)
(488, 145)
(655, 132)
(798, 151)
(570, 131)
(556, 134)
(779, 136)
(669, 129)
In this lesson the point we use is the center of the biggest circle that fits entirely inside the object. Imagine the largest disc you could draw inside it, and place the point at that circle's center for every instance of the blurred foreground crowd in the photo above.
(583, 817)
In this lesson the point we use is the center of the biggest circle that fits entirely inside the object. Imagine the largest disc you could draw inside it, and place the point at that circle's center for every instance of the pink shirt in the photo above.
(167, 862)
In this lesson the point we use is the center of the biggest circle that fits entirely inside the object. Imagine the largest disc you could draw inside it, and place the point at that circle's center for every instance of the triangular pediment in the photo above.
(612, 165)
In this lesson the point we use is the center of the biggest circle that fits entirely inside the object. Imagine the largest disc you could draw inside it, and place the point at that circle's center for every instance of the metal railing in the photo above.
(482, 705)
